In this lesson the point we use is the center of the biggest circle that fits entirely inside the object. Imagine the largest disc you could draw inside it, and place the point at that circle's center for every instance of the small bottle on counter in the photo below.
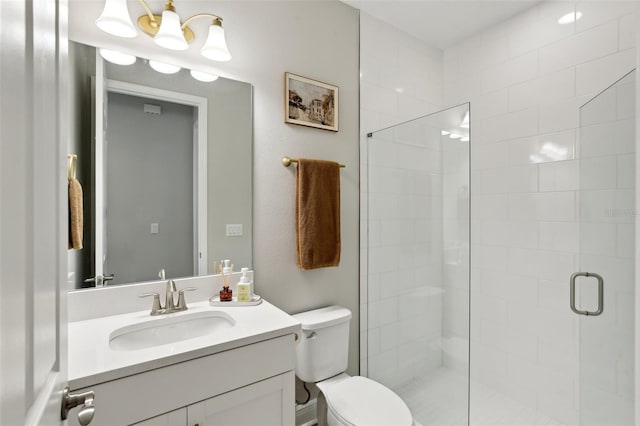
(226, 294)
(244, 287)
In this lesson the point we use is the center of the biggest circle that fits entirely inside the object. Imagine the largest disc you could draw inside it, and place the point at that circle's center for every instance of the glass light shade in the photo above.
(203, 76)
(116, 57)
(115, 19)
(164, 68)
(215, 47)
(170, 34)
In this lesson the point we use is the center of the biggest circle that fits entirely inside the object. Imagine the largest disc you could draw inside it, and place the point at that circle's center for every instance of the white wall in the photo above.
(316, 39)
(526, 79)
(400, 79)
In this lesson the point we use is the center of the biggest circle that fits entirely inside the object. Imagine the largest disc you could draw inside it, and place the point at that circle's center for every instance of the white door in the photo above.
(33, 214)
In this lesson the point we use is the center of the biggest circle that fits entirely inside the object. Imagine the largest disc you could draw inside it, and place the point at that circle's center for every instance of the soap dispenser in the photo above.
(227, 267)
(245, 287)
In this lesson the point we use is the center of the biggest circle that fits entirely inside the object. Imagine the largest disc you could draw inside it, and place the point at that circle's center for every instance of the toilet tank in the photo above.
(323, 348)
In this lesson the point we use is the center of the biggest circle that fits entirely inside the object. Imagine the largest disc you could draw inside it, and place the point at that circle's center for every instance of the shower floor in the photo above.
(436, 399)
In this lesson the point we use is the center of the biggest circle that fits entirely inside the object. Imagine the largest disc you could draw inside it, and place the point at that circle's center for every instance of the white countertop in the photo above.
(92, 361)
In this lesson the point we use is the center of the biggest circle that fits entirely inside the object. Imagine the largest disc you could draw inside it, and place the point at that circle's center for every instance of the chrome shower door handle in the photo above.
(572, 296)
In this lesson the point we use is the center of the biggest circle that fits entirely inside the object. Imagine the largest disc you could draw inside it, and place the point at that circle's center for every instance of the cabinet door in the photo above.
(173, 418)
(265, 403)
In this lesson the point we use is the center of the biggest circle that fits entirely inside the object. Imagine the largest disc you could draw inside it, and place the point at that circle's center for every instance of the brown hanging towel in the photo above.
(317, 214)
(75, 215)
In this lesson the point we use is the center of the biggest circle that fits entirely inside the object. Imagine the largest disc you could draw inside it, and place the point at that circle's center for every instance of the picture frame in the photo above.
(310, 102)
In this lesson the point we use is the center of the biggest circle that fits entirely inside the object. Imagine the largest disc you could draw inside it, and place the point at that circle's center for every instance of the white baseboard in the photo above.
(306, 414)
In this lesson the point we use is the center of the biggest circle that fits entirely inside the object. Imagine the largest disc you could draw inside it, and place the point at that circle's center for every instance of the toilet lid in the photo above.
(360, 401)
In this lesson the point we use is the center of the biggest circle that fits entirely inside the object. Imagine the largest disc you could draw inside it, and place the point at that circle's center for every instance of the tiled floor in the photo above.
(441, 399)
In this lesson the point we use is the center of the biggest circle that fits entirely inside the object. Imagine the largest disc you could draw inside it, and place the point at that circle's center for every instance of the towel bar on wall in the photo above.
(286, 161)
(72, 160)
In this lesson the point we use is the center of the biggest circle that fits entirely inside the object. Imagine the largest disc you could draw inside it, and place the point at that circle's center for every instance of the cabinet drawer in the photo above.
(266, 403)
(145, 395)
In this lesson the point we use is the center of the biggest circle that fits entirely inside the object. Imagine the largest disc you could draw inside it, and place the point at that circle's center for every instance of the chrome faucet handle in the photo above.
(182, 304)
(156, 308)
(171, 289)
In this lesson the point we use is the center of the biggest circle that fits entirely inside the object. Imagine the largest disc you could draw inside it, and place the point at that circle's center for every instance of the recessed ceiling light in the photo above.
(464, 139)
(570, 18)
(455, 136)
(444, 133)
(203, 76)
(116, 57)
(163, 67)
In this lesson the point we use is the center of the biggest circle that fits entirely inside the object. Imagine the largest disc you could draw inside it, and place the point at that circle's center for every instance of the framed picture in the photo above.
(310, 102)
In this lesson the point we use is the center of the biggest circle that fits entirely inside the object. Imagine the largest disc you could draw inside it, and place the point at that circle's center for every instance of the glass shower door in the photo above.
(602, 293)
(418, 264)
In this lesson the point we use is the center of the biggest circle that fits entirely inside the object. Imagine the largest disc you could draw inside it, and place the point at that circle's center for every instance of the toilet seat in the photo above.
(359, 401)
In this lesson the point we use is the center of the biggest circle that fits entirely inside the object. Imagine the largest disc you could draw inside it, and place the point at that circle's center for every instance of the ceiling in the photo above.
(441, 23)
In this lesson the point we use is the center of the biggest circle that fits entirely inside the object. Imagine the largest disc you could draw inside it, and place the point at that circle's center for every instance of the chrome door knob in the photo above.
(72, 400)
(85, 415)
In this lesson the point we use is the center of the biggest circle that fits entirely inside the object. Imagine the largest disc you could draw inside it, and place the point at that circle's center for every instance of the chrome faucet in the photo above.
(169, 303)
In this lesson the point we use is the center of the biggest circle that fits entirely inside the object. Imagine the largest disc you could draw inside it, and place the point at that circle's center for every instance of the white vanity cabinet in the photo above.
(173, 418)
(264, 403)
(247, 385)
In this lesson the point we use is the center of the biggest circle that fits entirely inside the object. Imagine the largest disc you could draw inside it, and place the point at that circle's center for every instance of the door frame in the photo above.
(200, 162)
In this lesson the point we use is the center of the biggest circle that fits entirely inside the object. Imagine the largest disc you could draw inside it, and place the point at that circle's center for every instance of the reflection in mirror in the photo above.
(168, 173)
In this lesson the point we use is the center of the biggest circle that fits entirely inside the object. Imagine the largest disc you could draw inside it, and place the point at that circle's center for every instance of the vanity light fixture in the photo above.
(203, 76)
(115, 19)
(116, 57)
(167, 30)
(163, 67)
(570, 18)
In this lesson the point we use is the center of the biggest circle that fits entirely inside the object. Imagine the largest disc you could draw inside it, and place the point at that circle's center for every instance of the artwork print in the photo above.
(311, 103)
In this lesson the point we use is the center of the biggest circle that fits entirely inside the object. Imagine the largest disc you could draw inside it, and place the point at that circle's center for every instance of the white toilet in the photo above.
(321, 358)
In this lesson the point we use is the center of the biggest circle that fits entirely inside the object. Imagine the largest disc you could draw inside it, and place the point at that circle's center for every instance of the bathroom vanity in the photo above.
(238, 371)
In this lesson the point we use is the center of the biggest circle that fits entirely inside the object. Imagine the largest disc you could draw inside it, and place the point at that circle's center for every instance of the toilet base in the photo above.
(327, 417)
(321, 410)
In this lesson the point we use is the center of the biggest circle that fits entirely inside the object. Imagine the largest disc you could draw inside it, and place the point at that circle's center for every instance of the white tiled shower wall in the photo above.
(401, 79)
(526, 80)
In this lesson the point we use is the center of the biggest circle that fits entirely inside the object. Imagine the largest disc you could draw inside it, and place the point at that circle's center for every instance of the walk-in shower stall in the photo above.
(488, 305)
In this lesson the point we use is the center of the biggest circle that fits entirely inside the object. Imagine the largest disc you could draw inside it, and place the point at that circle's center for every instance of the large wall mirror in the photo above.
(165, 161)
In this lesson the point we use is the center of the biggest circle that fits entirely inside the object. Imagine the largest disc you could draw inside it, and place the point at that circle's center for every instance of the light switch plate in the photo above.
(234, 229)
(155, 228)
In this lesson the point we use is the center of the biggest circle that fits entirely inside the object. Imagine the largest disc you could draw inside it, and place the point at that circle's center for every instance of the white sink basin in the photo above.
(170, 329)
